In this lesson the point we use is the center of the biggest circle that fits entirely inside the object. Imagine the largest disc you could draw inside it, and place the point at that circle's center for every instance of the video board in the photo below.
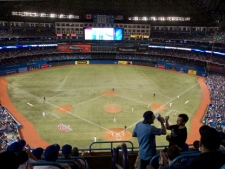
(115, 34)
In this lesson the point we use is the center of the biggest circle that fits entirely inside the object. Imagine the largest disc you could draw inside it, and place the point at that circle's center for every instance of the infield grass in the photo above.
(82, 87)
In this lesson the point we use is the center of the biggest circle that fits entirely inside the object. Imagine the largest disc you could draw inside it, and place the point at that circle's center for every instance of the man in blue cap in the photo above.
(146, 132)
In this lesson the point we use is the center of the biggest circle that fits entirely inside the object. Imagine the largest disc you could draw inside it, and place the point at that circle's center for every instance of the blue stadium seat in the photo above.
(115, 157)
(186, 147)
(183, 160)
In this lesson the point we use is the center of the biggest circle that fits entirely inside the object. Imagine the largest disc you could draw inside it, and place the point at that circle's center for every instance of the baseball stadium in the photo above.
(83, 74)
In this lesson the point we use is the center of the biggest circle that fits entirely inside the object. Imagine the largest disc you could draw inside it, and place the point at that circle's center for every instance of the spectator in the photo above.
(209, 157)
(178, 134)
(203, 128)
(196, 145)
(67, 153)
(12, 160)
(165, 160)
(75, 152)
(51, 154)
(145, 132)
(38, 152)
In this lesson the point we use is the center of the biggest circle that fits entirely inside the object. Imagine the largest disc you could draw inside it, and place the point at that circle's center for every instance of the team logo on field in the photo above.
(65, 128)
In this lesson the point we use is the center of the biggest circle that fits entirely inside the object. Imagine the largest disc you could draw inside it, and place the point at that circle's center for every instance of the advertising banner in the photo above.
(192, 72)
(44, 66)
(215, 67)
(12, 71)
(180, 69)
(133, 49)
(124, 62)
(160, 66)
(82, 62)
(23, 69)
(74, 48)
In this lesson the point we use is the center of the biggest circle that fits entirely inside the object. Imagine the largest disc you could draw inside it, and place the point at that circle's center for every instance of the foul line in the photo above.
(65, 110)
(57, 117)
(168, 112)
(59, 86)
(96, 98)
(31, 96)
(167, 103)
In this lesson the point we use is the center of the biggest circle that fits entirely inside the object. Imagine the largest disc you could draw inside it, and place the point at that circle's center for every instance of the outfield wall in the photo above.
(19, 68)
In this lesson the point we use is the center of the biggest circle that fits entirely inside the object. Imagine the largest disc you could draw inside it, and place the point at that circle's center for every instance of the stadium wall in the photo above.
(20, 68)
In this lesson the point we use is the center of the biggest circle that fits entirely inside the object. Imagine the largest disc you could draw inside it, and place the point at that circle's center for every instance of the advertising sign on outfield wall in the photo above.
(82, 62)
(124, 62)
(192, 72)
(22, 69)
(44, 66)
(74, 48)
(139, 49)
(161, 66)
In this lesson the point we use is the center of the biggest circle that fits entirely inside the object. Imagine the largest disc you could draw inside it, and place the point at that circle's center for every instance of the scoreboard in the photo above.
(103, 19)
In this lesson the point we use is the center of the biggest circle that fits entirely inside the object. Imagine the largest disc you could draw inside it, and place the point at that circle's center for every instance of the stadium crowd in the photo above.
(15, 153)
(8, 128)
(215, 115)
(51, 53)
(217, 37)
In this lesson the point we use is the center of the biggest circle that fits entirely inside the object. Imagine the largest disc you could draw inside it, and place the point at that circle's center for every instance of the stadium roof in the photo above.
(205, 11)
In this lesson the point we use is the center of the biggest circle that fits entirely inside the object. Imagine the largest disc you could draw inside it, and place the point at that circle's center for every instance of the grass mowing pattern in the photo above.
(82, 87)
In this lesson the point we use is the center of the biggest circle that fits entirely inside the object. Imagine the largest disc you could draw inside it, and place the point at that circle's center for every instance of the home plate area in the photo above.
(117, 134)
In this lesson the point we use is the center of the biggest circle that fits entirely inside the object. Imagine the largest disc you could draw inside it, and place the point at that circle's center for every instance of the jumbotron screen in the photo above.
(103, 33)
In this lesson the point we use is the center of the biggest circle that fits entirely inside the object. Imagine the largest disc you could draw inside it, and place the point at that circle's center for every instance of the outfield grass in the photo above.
(82, 87)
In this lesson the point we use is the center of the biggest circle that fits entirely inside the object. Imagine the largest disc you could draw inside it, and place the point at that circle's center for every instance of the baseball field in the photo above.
(74, 104)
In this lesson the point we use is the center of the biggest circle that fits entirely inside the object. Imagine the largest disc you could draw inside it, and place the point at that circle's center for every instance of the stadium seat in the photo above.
(186, 147)
(45, 163)
(183, 160)
(115, 157)
(75, 157)
(69, 161)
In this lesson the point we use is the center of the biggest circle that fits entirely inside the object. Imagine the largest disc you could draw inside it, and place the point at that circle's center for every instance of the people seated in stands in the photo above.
(146, 132)
(21, 146)
(215, 112)
(75, 152)
(178, 135)
(51, 155)
(210, 157)
(203, 128)
(67, 153)
(165, 159)
(196, 145)
(12, 160)
(38, 152)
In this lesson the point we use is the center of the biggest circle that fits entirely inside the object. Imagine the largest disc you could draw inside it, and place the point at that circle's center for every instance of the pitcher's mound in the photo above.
(158, 107)
(117, 134)
(108, 93)
(112, 109)
(64, 109)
